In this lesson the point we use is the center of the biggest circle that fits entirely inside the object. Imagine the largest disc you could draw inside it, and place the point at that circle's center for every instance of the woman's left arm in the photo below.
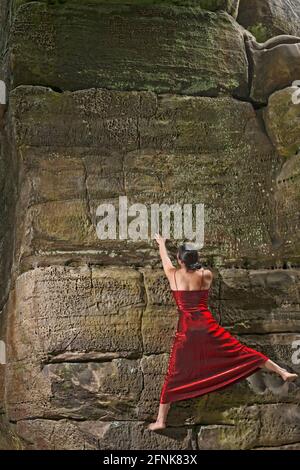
(166, 262)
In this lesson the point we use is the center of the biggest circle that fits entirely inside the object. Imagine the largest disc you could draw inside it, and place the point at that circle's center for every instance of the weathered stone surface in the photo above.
(5, 24)
(107, 390)
(259, 388)
(278, 423)
(7, 201)
(231, 6)
(199, 51)
(211, 5)
(275, 64)
(287, 198)
(260, 301)
(120, 388)
(158, 328)
(56, 310)
(89, 323)
(157, 288)
(282, 119)
(2, 387)
(97, 435)
(267, 18)
(85, 388)
(152, 149)
(8, 439)
(42, 383)
(280, 346)
(295, 446)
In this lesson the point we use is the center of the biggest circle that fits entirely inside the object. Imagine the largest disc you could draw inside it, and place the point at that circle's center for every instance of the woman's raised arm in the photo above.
(166, 262)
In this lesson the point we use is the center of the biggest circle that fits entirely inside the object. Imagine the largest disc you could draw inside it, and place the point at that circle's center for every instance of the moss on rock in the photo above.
(184, 50)
(212, 5)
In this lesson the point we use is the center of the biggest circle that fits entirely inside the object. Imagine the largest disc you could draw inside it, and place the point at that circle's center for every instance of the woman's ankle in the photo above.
(161, 421)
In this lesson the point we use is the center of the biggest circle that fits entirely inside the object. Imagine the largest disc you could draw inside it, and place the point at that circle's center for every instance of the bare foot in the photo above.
(157, 425)
(288, 377)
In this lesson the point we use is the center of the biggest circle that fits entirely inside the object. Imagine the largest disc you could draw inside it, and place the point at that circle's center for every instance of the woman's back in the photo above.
(194, 297)
(191, 281)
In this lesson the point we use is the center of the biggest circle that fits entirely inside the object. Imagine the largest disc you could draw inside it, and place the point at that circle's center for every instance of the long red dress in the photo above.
(204, 356)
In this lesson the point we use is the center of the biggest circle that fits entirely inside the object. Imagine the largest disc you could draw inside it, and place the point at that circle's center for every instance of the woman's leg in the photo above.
(273, 367)
(160, 422)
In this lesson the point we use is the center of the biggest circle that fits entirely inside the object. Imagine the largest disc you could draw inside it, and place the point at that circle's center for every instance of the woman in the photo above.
(204, 356)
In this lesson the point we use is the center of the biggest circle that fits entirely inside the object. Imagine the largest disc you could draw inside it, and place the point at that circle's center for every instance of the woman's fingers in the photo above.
(159, 238)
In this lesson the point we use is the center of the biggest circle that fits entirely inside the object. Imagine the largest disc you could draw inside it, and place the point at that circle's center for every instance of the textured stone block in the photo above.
(118, 46)
(275, 64)
(107, 390)
(268, 18)
(282, 118)
(260, 301)
(279, 423)
(158, 328)
(63, 309)
(210, 5)
(200, 149)
(145, 106)
(97, 435)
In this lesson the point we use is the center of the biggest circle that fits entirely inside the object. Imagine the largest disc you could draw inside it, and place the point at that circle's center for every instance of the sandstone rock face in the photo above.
(282, 118)
(199, 52)
(146, 147)
(230, 6)
(267, 18)
(275, 64)
(153, 101)
(84, 354)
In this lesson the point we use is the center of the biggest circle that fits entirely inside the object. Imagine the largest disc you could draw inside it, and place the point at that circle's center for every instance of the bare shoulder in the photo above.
(207, 278)
(207, 273)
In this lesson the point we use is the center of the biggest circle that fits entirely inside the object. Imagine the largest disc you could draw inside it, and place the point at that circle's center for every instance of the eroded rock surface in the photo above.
(60, 319)
(282, 119)
(155, 101)
(200, 52)
(148, 147)
(268, 18)
(275, 65)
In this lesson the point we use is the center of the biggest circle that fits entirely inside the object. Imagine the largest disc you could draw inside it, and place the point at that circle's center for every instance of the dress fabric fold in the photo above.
(204, 356)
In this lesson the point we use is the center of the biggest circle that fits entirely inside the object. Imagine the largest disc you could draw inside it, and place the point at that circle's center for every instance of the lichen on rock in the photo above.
(161, 102)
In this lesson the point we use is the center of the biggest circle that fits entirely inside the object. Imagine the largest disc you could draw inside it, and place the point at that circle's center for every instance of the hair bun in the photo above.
(195, 265)
(189, 257)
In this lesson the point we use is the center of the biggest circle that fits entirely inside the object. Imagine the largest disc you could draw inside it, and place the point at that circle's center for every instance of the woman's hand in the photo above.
(160, 240)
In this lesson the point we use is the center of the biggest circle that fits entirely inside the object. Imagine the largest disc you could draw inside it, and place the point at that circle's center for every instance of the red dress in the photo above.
(204, 356)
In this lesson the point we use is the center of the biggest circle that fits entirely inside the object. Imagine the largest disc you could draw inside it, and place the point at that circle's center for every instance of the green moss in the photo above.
(212, 5)
(187, 44)
(260, 32)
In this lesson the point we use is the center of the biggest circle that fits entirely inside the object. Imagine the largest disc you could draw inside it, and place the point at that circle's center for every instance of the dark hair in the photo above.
(189, 257)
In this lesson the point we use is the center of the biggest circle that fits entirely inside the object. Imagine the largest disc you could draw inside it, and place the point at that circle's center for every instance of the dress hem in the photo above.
(221, 386)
